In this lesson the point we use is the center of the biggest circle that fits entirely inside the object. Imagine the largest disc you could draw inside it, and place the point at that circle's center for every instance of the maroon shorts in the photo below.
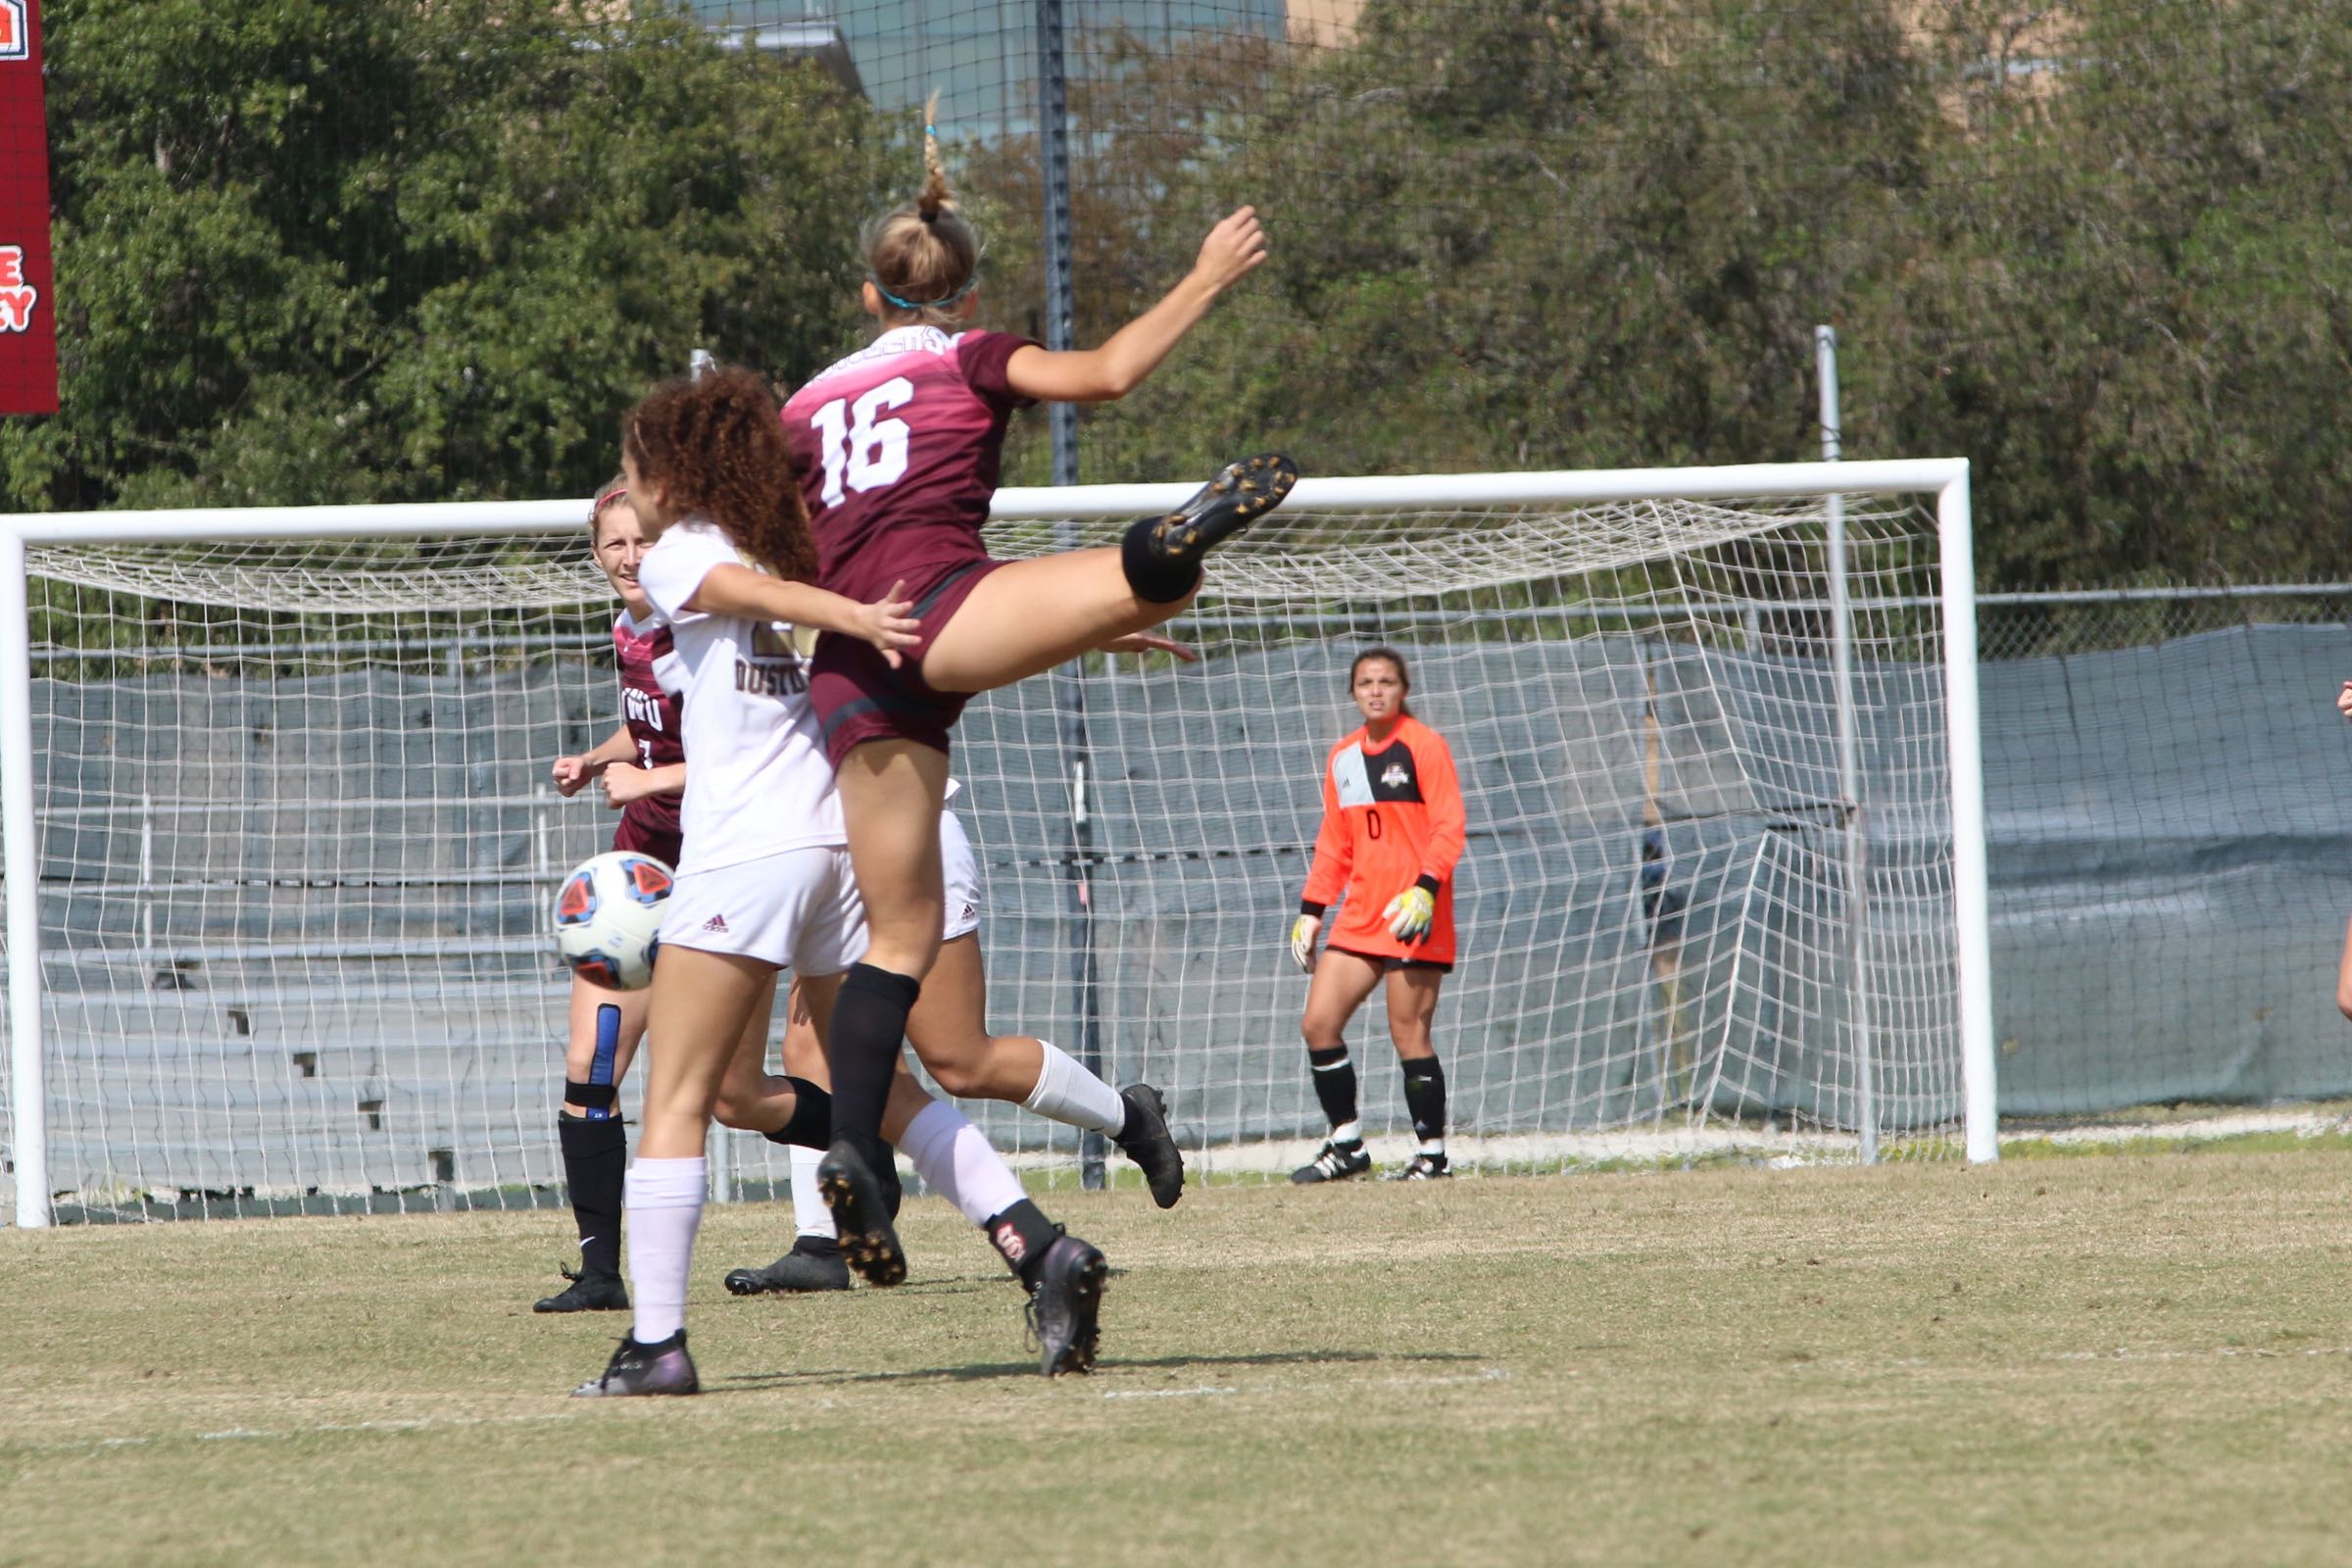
(653, 832)
(860, 698)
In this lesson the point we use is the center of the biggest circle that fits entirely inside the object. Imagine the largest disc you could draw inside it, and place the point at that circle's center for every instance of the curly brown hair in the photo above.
(717, 446)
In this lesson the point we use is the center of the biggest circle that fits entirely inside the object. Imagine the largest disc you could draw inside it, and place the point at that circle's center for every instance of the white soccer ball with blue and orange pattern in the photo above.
(608, 919)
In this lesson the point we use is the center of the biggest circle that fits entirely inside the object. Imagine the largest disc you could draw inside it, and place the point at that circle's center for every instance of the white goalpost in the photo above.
(278, 841)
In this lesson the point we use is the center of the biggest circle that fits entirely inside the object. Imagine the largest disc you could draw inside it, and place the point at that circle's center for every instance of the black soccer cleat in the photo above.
(886, 1172)
(1146, 1139)
(1335, 1162)
(846, 1180)
(1424, 1168)
(1235, 498)
(1064, 1305)
(663, 1369)
(813, 1265)
(590, 1290)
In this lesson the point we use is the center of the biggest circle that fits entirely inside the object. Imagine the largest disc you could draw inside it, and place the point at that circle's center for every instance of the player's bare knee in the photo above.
(902, 946)
(961, 1075)
(963, 1083)
(738, 1104)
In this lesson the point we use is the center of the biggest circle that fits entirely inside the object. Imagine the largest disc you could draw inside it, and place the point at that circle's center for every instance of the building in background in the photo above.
(981, 55)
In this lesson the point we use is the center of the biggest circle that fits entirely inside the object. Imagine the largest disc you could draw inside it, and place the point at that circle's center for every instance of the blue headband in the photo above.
(970, 284)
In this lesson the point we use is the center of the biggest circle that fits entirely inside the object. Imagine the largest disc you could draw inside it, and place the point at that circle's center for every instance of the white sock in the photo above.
(1433, 1145)
(1069, 1094)
(661, 1208)
(954, 1157)
(1349, 1132)
(810, 1216)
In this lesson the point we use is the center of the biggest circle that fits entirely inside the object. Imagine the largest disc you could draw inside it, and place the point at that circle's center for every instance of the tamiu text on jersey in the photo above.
(642, 707)
(774, 667)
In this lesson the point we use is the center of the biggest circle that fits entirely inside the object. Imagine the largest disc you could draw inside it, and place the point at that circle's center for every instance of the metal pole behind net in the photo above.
(1069, 683)
(719, 1153)
(1850, 769)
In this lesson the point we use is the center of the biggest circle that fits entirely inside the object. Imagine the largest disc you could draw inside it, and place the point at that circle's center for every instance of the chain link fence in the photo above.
(2042, 624)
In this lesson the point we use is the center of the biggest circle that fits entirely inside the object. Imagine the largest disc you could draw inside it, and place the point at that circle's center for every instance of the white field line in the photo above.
(2303, 1123)
(427, 1423)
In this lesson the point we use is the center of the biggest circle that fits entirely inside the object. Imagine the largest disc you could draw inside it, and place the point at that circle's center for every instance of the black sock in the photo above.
(811, 1124)
(596, 1158)
(1155, 577)
(816, 1246)
(869, 1028)
(1335, 1083)
(1022, 1233)
(1425, 1097)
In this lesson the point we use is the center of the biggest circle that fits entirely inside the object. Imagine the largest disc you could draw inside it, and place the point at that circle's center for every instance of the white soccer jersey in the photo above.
(757, 782)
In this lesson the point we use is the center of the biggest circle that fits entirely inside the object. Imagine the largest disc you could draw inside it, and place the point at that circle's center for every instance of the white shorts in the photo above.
(799, 910)
(960, 872)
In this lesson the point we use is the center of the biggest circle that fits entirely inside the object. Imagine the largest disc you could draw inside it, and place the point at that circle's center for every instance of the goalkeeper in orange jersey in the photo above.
(1393, 831)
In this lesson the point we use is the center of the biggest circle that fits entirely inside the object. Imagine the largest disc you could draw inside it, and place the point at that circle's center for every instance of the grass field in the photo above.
(2122, 1359)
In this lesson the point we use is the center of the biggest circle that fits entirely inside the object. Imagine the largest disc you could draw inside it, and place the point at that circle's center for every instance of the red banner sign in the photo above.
(27, 299)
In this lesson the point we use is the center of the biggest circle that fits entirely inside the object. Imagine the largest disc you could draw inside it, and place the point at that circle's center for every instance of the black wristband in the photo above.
(1428, 885)
(1310, 906)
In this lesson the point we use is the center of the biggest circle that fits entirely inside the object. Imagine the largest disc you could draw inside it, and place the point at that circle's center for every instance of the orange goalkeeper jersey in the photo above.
(1392, 818)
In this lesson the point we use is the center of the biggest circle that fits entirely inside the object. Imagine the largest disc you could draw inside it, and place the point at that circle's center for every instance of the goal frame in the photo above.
(1946, 478)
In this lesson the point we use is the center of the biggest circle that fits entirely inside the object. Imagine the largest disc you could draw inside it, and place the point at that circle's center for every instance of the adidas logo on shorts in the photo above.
(717, 923)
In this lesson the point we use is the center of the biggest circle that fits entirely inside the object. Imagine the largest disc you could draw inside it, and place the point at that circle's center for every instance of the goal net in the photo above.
(296, 835)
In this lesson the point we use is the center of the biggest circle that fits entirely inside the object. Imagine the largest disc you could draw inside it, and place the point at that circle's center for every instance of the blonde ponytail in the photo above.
(925, 257)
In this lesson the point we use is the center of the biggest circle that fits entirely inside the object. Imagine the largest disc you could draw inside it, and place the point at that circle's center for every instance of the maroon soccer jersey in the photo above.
(899, 447)
(652, 716)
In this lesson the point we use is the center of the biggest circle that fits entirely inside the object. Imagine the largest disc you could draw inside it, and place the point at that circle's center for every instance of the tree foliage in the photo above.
(316, 250)
(340, 250)
(1574, 233)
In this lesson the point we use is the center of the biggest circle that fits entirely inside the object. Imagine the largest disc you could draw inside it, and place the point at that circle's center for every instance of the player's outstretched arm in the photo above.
(756, 596)
(1234, 249)
(572, 773)
(2343, 700)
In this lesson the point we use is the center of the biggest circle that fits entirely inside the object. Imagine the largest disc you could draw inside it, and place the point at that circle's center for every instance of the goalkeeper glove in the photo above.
(1409, 914)
(1302, 941)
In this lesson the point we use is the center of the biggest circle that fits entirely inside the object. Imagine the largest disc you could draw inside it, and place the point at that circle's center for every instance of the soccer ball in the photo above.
(608, 919)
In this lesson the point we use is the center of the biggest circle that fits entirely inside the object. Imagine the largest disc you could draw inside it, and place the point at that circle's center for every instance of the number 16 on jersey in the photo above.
(863, 451)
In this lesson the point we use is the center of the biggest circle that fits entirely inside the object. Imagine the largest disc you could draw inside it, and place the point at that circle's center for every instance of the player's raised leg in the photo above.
(1026, 616)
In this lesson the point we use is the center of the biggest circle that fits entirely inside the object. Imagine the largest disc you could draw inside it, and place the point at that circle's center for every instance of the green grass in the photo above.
(2114, 1361)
